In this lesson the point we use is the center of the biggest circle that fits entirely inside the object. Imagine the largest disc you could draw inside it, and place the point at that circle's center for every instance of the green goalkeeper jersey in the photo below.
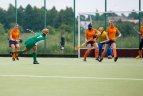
(34, 40)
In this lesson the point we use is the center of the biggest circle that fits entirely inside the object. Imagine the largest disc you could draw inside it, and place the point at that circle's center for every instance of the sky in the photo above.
(81, 5)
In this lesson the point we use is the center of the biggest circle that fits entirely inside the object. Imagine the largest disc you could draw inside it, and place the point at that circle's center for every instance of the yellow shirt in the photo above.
(101, 37)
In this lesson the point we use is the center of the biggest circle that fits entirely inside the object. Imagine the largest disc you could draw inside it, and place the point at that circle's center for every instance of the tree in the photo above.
(20, 12)
(10, 16)
(2, 15)
(133, 15)
(52, 17)
(28, 17)
(38, 19)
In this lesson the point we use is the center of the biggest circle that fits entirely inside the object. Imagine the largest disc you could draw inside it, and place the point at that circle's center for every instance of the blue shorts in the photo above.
(12, 42)
(110, 42)
(90, 42)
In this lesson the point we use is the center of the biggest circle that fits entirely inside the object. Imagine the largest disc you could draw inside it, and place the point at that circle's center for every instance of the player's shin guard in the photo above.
(16, 54)
(34, 57)
(114, 53)
(140, 53)
(13, 56)
(96, 53)
(102, 56)
(86, 54)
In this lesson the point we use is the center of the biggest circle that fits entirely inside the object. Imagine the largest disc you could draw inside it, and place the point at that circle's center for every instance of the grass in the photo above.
(71, 77)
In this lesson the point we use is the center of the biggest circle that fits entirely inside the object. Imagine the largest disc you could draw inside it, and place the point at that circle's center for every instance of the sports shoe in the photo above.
(35, 62)
(100, 60)
(13, 59)
(84, 59)
(110, 57)
(97, 59)
(138, 57)
(17, 58)
(115, 59)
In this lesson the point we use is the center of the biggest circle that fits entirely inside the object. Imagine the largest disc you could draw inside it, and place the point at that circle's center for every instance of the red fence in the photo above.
(120, 52)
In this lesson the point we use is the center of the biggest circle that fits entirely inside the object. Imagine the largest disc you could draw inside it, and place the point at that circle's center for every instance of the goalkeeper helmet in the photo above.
(101, 29)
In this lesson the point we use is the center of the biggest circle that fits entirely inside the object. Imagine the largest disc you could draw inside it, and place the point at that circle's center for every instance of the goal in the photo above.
(126, 21)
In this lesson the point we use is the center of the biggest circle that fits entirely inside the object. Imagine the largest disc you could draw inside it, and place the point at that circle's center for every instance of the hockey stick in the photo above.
(30, 31)
(109, 40)
(83, 44)
(104, 41)
(78, 47)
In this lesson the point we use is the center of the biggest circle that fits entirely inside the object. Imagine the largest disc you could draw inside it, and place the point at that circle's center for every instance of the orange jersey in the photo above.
(15, 34)
(90, 33)
(141, 30)
(112, 31)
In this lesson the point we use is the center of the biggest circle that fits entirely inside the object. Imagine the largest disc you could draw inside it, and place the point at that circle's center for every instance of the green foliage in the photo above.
(52, 30)
(2, 31)
(133, 15)
(126, 28)
(9, 16)
(2, 16)
(52, 16)
(66, 28)
(128, 42)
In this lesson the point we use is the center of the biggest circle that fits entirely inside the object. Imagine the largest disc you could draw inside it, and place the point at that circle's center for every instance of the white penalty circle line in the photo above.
(72, 77)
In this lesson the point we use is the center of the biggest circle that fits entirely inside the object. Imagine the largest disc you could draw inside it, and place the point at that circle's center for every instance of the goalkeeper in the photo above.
(100, 38)
(32, 42)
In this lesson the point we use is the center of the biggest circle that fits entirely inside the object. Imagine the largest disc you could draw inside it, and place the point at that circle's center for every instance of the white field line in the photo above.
(72, 77)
